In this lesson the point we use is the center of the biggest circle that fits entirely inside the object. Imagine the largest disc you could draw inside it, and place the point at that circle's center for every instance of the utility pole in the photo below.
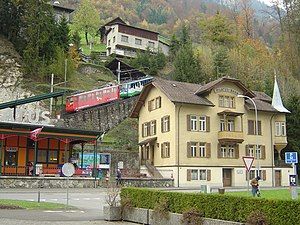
(119, 72)
(51, 90)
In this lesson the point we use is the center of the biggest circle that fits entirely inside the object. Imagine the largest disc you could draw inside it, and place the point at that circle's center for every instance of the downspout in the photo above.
(272, 146)
(178, 145)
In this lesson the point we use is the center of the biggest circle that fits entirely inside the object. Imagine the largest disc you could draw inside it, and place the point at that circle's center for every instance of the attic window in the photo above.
(174, 85)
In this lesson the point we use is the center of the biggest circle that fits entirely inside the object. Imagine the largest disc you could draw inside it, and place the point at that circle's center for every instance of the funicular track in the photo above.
(102, 117)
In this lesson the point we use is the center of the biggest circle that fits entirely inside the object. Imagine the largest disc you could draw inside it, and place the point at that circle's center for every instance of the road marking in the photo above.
(97, 198)
(75, 199)
(86, 198)
(54, 199)
(50, 211)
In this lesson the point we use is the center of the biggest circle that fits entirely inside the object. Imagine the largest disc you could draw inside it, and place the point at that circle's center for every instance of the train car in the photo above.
(134, 87)
(92, 98)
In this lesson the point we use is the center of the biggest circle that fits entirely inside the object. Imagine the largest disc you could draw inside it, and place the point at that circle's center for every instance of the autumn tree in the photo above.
(86, 19)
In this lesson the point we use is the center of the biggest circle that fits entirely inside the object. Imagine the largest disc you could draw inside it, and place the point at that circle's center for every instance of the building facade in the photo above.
(198, 134)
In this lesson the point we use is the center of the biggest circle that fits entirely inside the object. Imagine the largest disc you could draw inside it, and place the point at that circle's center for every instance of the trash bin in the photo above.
(221, 191)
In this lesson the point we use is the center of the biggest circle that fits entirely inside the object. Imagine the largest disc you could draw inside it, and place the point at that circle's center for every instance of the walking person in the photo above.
(255, 186)
(119, 176)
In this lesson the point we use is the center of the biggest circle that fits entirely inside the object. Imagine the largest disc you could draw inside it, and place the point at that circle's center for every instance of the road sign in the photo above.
(293, 180)
(248, 161)
(68, 169)
(291, 157)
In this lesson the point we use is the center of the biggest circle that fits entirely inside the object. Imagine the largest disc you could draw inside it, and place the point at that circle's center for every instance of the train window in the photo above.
(104, 91)
(89, 95)
(70, 100)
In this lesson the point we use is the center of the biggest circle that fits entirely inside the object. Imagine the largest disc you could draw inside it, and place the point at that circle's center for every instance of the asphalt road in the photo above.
(89, 203)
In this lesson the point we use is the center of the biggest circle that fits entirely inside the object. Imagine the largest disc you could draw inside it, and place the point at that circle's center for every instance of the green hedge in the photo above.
(231, 208)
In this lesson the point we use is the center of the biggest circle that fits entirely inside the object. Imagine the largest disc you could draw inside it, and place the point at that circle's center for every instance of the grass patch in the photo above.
(20, 204)
(282, 194)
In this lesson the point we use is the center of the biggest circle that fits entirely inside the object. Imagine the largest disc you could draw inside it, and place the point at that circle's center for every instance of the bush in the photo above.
(257, 218)
(192, 217)
(231, 208)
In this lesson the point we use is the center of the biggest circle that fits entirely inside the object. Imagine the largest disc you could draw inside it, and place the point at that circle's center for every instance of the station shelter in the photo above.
(53, 146)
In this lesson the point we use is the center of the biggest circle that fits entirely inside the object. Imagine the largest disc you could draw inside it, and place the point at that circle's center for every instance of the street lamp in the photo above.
(256, 130)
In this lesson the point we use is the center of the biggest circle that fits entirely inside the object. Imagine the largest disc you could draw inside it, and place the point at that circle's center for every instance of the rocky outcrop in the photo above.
(11, 80)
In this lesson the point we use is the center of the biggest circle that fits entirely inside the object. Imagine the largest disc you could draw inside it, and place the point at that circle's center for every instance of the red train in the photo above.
(91, 98)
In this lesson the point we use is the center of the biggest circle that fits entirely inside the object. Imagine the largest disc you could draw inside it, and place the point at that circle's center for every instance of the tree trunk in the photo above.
(86, 38)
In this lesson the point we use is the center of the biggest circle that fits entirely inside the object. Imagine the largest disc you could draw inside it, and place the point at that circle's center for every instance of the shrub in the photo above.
(192, 217)
(256, 218)
(223, 207)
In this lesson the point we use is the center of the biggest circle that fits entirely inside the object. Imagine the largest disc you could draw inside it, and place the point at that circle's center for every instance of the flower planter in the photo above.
(137, 215)
(112, 213)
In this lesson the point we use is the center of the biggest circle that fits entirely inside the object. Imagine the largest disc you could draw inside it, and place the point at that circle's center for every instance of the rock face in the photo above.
(11, 79)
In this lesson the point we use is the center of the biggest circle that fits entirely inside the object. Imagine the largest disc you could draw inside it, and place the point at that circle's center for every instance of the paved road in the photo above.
(89, 203)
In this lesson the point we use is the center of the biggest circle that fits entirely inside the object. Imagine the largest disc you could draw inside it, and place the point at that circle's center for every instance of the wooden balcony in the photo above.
(231, 136)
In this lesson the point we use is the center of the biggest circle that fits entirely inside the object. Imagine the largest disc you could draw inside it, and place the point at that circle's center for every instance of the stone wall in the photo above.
(148, 182)
(45, 182)
(101, 118)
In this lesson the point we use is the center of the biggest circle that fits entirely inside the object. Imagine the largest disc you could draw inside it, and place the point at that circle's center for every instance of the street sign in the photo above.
(68, 169)
(291, 157)
(248, 161)
(293, 180)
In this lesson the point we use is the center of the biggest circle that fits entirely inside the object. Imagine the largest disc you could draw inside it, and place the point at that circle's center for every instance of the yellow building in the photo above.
(198, 134)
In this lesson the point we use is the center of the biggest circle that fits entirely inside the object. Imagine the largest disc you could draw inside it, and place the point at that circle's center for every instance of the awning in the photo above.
(230, 113)
(148, 141)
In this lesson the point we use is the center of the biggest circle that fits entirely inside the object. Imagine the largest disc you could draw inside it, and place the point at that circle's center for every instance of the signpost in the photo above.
(68, 170)
(248, 161)
(292, 158)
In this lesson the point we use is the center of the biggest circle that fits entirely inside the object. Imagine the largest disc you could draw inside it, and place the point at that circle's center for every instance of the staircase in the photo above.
(152, 170)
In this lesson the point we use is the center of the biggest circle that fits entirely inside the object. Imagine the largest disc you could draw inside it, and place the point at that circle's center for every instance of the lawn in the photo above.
(282, 194)
(8, 203)
(98, 46)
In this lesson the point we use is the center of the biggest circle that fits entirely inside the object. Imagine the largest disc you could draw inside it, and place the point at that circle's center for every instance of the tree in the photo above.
(63, 37)
(86, 19)
(187, 68)
(174, 46)
(221, 62)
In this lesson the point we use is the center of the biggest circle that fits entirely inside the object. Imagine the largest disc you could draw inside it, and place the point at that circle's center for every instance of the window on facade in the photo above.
(222, 125)
(124, 38)
(138, 41)
(114, 39)
(52, 156)
(230, 151)
(153, 127)
(280, 129)
(165, 124)
(227, 151)
(165, 150)
(145, 129)
(157, 102)
(230, 125)
(154, 104)
(202, 148)
(252, 127)
(42, 156)
(194, 174)
(261, 174)
(202, 120)
(193, 123)
(202, 175)
(260, 152)
(108, 42)
(223, 151)
(226, 101)
(151, 44)
(193, 149)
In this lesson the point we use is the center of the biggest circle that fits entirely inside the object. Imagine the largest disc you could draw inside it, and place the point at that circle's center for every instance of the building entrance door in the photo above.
(277, 178)
(227, 177)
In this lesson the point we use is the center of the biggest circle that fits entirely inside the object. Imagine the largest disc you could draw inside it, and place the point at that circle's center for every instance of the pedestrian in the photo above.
(107, 178)
(255, 186)
(119, 176)
(30, 168)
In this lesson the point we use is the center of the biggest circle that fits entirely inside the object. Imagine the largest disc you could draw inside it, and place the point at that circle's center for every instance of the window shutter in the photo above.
(259, 127)
(159, 102)
(247, 150)
(207, 124)
(263, 152)
(154, 132)
(143, 133)
(208, 175)
(168, 153)
(264, 175)
(188, 122)
(237, 151)
(149, 106)
(219, 151)
(208, 150)
(169, 128)
(189, 150)
(162, 124)
(189, 175)
(250, 127)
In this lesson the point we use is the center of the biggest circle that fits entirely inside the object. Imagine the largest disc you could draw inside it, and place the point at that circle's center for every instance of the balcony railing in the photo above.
(235, 136)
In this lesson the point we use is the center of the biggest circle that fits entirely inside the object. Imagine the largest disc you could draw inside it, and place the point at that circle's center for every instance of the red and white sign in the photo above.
(248, 161)
(35, 133)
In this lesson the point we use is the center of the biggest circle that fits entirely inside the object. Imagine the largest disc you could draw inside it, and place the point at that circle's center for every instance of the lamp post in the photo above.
(256, 130)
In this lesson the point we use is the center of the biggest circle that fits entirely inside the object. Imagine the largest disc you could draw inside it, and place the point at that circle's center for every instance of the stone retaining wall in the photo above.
(147, 182)
(45, 182)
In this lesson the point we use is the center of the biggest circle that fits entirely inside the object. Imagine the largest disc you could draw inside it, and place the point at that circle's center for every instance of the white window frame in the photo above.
(202, 123)
(258, 152)
(221, 101)
(223, 151)
(151, 44)
(222, 125)
(202, 174)
(166, 127)
(194, 174)
(283, 128)
(251, 150)
(193, 123)
(138, 41)
(230, 151)
(145, 129)
(202, 149)
(193, 149)
(124, 38)
(152, 128)
(230, 125)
